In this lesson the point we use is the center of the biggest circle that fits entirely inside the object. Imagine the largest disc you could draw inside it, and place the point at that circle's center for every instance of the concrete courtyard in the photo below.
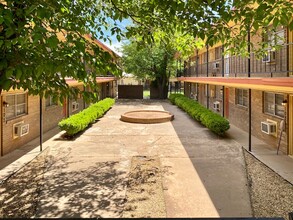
(202, 175)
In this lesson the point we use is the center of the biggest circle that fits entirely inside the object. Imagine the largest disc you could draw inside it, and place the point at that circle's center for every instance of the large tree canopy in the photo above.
(45, 41)
(157, 61)
(210, 20)
(34, 57)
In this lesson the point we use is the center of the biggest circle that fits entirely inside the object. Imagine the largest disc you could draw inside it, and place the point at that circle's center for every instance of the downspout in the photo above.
(249, 92)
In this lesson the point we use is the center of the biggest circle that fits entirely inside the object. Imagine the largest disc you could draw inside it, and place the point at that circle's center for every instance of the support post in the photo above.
(208, 88)
(223, 87)
(41, 123)
(249, 91)
(2, 119)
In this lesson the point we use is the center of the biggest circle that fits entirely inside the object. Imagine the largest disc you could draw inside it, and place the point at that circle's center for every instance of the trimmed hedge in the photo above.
(211, 120)
(81, 120)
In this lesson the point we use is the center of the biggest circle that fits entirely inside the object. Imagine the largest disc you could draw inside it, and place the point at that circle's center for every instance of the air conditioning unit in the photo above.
(75, 106)
(217, 106)
(269, 57)
(268, 127)
(21, 130)
(216, 65)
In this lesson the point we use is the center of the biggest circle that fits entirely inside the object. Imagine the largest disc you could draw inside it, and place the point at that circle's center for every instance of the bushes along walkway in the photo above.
(81, 120)
(211, 120)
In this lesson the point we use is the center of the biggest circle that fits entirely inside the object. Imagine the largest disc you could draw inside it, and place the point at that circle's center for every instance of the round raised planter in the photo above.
(147, 116)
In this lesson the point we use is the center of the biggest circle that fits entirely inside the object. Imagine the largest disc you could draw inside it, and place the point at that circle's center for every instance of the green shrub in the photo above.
(211, 120)
(173, 96)
(81, 120)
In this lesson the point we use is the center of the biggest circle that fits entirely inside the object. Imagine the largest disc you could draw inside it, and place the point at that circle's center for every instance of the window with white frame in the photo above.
(242, 97)
(50, 101)
(273, 104)
(17, 105)
(274, 38)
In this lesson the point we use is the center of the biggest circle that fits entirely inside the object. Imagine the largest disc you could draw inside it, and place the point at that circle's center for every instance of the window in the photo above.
(205, 57)
(50, 101)
(273, 104)
(217, 53)
(242, 97)
(274, 38)
(17, 105)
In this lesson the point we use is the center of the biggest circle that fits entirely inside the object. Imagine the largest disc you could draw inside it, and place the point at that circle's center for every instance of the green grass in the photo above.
(146, 94)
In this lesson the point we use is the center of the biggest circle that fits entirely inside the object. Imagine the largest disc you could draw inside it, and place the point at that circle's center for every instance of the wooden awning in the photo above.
(73, 82)
(280, 84)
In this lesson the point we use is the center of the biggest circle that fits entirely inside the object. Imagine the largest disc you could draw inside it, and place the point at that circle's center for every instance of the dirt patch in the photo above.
(271, 195)
(19, 194)
(145, 198)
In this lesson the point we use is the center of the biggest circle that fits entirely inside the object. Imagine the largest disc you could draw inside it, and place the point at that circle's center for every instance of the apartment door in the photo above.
(290, 125)
(227, 92)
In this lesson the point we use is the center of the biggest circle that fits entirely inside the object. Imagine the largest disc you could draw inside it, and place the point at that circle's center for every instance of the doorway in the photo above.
(226, 101)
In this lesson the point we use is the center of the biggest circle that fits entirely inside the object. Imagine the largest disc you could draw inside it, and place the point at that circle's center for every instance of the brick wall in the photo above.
(51, 116)
(238, 116)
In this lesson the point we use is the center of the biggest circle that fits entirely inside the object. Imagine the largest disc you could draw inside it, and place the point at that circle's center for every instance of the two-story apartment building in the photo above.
(20, 113)
(254, 93)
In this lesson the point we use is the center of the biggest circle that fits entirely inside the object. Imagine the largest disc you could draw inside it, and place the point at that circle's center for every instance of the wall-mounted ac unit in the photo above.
(216, 65)
(269, 57)
(268, 127)
(20, 130)
(216, 105)
(75, 106)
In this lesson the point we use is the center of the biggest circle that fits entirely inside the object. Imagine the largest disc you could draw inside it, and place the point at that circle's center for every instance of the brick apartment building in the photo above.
(20, 112)
(222, 83)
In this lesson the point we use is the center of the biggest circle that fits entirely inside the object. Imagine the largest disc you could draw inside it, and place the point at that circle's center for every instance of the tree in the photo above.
(34, 56)
(156, 61)
(210, 20)
(43, 42)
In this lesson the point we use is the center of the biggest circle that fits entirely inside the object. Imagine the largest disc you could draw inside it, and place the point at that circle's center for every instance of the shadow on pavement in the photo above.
(219, 163)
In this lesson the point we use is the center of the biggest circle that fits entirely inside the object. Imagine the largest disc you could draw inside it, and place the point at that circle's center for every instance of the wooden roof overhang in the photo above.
(73, 82)
(279, 85)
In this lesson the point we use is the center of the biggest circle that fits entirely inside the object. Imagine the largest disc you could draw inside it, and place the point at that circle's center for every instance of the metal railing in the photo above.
(274, 64)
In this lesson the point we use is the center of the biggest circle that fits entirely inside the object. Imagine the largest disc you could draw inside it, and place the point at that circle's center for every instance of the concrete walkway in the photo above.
(203, 175)
(281, 163)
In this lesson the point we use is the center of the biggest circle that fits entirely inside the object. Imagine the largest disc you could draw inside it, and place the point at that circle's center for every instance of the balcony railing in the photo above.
(273, 64)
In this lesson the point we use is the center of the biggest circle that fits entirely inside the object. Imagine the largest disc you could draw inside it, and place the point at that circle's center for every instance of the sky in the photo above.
(115, 44)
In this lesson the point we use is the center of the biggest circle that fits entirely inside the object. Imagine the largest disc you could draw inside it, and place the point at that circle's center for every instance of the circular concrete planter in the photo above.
(147, 116)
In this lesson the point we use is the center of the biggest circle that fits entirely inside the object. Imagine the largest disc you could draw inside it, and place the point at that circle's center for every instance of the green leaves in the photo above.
(39, 39)
(53, 41)
(45, 42)
(9, 72)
